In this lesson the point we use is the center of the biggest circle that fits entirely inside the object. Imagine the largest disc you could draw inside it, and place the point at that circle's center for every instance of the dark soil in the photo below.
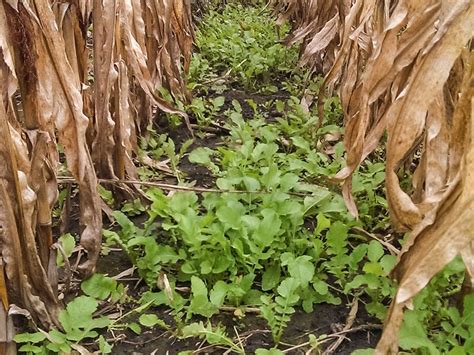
(325, 319)
(321, 321)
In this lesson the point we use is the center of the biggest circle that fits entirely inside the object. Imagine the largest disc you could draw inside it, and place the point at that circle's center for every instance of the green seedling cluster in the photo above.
(241, 44)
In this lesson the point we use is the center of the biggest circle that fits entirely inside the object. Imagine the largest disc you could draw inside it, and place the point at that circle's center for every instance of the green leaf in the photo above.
(373, 268)
(199, 302)
(289, 181)
(68, 242)
(457, 350)
(78, 313)
(375, 251)
(313, 201)
(321, 287)
(106, 195)
(149, 320)
(166, 254)
(388, 262)
(193, 330)
(268, 228)
(413, 335)
(227, 183)
(337, 237)
(29, 337)
(57, 337)
(28, 348)
(251, 184)
(213, 335)
(286, 258)
(323, 223)
(288, 288)
(313, 341)
(135, 328)
(230, 214)
(280, 105)
(301, 143)
(218, 293)
(302, 269)
(469, 309)
(104, 347)
(271, 176)
(218, 102)
(201, 155)
(271, 277)
(99, 286)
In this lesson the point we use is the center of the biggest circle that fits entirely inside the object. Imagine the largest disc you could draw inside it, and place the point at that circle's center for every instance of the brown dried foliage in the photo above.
(403, 68)
(55, 90)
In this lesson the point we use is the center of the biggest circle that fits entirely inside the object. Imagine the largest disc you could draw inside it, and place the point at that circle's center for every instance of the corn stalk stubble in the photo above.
(54, 89)
(404, 67)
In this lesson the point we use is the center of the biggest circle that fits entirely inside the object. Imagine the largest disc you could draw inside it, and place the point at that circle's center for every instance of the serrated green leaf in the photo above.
(413, 336)
(323, 223)
(78, 313)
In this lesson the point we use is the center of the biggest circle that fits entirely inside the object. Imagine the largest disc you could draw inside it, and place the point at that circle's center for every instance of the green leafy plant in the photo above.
(261, 234)
(278, 312)
(239, 42)
(78, 323)
(102, 287)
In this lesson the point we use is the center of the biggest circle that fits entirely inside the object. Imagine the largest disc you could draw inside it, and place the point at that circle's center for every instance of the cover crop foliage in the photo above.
(79, 85)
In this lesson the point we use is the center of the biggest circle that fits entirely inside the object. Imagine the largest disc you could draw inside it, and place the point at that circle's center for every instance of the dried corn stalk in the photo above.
(318, 25)
(405, 68)
(55, 89)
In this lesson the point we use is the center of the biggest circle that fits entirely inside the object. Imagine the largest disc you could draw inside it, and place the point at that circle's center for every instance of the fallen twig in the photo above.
(171, 187)
(349, 323)
(242, 309)
(337, 334)
(387, 245)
